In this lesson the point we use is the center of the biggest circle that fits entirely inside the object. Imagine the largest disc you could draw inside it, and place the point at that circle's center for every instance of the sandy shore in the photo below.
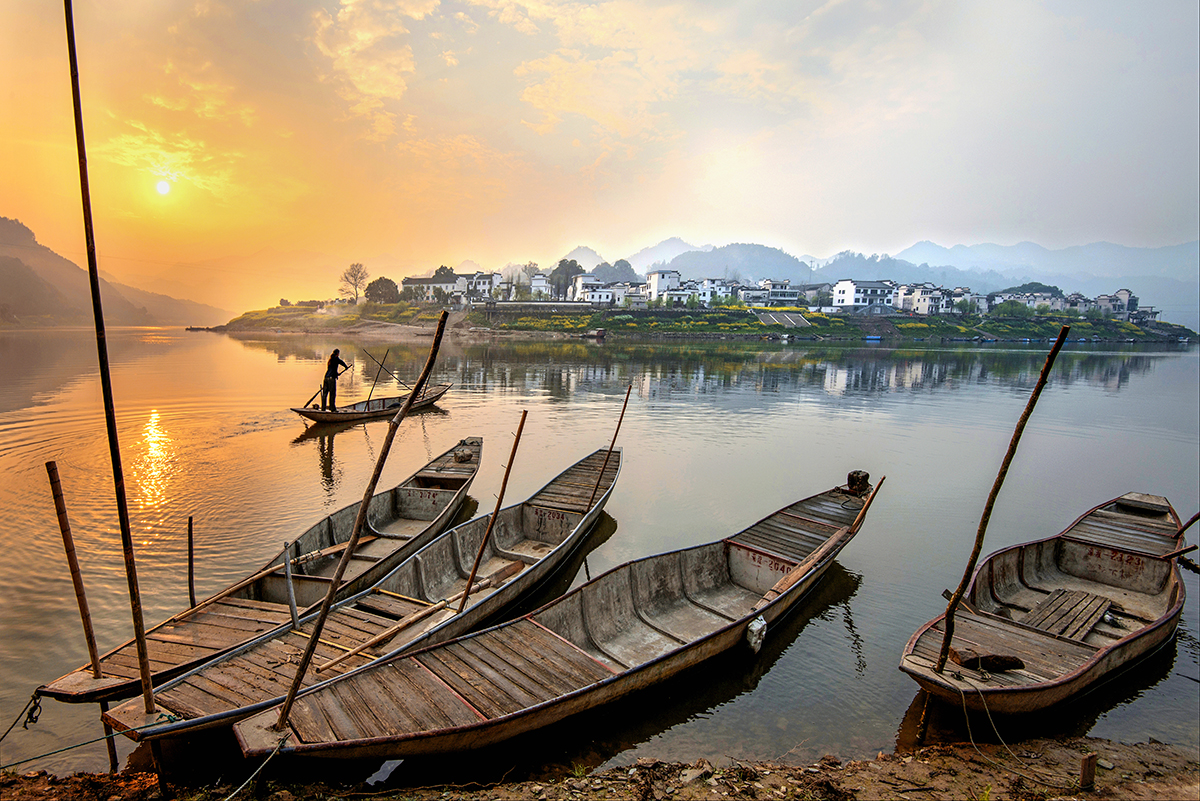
(1033, 769)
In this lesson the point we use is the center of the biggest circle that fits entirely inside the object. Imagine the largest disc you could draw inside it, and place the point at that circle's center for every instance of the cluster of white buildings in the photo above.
(848, 295)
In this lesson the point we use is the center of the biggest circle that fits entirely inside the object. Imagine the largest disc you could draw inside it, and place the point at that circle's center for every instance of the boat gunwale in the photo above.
(429, 396)
(790, 598)
(941, 686)
(574, 539)
(121, 689)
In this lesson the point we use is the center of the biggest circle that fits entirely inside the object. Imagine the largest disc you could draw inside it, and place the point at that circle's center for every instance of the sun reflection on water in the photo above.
(154, 465)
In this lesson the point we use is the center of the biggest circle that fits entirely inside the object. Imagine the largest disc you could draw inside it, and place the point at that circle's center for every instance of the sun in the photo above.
(163, 187)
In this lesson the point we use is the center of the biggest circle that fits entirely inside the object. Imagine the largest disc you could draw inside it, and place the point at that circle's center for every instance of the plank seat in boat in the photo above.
(1134, 523)
(1068, 613)
(390, 604)
(798, 531)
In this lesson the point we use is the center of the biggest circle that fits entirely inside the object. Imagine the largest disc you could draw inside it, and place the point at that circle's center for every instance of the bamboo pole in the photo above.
(991, 500)
(110, 414)
(291, 591)
(359, 524)
(487, 534)
(612, 445)
(377, 372)
(389, 372)
(64, 525)
(191, 565)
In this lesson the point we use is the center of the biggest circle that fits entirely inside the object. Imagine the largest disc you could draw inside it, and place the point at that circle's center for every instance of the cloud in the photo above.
(175, 158)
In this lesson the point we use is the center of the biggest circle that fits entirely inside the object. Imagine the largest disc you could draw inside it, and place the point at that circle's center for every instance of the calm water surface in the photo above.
(715, 437)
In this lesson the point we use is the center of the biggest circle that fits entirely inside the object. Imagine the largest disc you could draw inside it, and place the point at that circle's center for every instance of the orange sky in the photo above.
(299, 136)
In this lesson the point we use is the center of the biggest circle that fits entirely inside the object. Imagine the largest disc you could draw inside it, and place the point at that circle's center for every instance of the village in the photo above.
(667, 288)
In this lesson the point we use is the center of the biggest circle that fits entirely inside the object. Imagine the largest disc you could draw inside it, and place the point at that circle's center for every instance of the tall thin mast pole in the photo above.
(110, 414)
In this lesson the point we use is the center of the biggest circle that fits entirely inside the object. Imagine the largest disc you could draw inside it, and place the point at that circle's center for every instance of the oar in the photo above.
(421, 614)
(389, 372)
(318, 392)
(377, 372)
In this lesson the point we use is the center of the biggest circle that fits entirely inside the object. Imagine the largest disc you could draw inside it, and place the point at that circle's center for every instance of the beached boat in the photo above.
(373, 408)
(1046, 620)
(416, 604)
(402, 520)
(624, 631)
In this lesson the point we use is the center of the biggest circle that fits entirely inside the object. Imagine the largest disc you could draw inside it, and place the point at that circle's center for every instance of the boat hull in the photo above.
(1075, 610)
(373, 409)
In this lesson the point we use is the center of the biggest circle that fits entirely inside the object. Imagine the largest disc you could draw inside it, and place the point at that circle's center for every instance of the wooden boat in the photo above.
(626, 630)
(373, 408)
(416, 604)
(403, 519)
(1063, 613)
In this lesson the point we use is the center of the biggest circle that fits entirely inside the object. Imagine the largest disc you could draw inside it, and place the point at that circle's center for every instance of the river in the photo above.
(716, 436)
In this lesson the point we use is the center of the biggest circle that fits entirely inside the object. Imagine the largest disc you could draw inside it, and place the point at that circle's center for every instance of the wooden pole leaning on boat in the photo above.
(110, 413)
(799, 571)
(991, 499)
(395, 377)
(487, 534)
(377, 372)
(416, 617)
(359, 523)
(604, 466)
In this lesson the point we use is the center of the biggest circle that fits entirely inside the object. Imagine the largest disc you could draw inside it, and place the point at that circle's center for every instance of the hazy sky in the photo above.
(415, 133)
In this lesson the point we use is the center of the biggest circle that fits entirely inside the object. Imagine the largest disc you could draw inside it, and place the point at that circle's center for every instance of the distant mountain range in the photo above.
(41, 286)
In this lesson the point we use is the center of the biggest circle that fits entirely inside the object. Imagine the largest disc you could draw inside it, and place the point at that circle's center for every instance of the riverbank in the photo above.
(1033, 769)
(372, 320)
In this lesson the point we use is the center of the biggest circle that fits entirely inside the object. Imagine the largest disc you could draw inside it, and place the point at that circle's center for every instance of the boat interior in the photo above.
(1054, 603)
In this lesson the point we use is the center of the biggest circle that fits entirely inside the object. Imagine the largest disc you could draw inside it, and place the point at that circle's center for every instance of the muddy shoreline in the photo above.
(1033, 769)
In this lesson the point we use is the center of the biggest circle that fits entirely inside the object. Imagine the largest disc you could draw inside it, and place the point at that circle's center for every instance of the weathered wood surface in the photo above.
(1074, 608)
(406, 517)
(627, 629)
(374, 408)
(408, 605)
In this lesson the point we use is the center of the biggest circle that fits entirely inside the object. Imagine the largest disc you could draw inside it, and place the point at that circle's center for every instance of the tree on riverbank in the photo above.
(354, 279)
(382, 290)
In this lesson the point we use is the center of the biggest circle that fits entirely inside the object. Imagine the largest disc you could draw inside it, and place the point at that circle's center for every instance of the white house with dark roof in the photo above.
(852, 295)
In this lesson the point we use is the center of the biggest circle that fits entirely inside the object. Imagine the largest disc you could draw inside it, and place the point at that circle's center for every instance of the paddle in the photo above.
(318, 392)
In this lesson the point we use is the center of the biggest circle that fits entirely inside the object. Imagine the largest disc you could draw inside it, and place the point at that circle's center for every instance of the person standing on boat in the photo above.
(329, 386)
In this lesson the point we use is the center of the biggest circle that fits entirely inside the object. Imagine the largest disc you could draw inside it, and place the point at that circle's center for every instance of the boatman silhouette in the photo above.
(329, 385)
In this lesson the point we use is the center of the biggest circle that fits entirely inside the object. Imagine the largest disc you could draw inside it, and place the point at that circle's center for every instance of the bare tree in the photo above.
(354, 280)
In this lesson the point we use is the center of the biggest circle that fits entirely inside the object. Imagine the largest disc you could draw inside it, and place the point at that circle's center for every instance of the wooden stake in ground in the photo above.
(991, 500)
(359, 523)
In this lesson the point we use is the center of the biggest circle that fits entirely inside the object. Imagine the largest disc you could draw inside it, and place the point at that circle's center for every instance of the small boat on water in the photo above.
(375, 407)
(1046, 620)
(416, 604)
(626, 630)
(402, 519)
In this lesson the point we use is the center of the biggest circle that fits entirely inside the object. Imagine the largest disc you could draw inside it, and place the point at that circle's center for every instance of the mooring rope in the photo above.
(250, 778)
(162, 716)
(34, 706)
(989, 760)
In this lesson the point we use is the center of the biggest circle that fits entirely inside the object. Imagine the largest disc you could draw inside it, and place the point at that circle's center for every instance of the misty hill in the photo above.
(662, 253)
(848, 264)
(58, 291)
(584, 256)
(743, 262)
(1099, 259)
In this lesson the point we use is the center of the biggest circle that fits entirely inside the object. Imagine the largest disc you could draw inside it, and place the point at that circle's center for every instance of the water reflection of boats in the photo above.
(1047, 619)
(627, 630)
(322, 430)
(374, 408)
(416, 604)
(403, 520)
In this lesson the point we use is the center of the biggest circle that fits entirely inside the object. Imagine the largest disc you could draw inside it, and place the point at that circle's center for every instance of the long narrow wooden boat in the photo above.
(375, 407)
(624, 631)
(403, 519)
(416, 604)
(1051, 618)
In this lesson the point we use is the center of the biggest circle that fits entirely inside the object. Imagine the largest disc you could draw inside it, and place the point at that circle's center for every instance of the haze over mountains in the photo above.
(36, 282)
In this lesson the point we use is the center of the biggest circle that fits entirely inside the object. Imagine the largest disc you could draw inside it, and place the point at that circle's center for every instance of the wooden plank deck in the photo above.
(794, 533)
(1046, 657)
(1068, 613)
(1125, 532)
(572, 490)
